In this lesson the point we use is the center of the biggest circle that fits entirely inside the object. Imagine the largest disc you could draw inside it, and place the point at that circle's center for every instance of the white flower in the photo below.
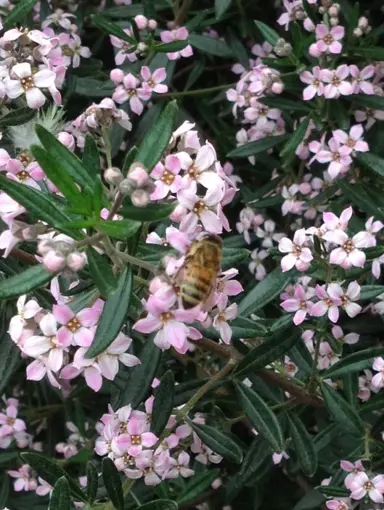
(23, 81)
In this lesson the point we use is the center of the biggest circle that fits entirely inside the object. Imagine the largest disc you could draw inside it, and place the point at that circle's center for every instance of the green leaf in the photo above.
(253, 148)
(261, 416)
(354, 362)
(368, 101)
(171, 47)
(357, 194)
(368, 292)
(311, 501)
(111, 28)
(113, 315)
(254, 458)
(270, 350)
(303, 444)
(131, 156)
(163, 403)
(197, 484)
(218, 442)
(157, 138)
(160, 504)
(92, 483)
(268, 33)
(265, 291)
(234, 257)
(333, 491)
(101, 273)
(18, 14)
(368, 53)
(68, 160)
(91, 157)
(152, 212)
(22, 283)
(37, 203)
(57, 174)
(372, 162)
(287, 153)
(17, 117)
(209, 45)
(343, 414)
(112, 483)
(137, 384)
(91, 87)
(287, 105)
(50, 471)
(60, 497)
(4, 490)
(373, 404)
(238, 48)
(221, 6)
(10, 360)
(120, 229)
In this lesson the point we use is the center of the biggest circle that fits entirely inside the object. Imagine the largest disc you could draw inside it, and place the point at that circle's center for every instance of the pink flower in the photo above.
(203, 209)
(136, 437)
(297, 254)
(378, 379)
(325, 305)
(314, 81)
(167, 177)
(237, 97)
(348, 254)
(201, 170)
(327, 356)
(347, 298)
(327, 40)
(9, 422)
(44, 488)
(88, 367)
(332, 222)
(180, 467)
(24, 480)
(337, 504)
(39, 369)
(108, 360)
(376, 266)
(337, 84)
(372, 228)
(220, 322)
(75, 327)
(179, 34)
(25, 310)
(360, 77)
(290, 15)
(22, 81)
(153, 81)
(299, 303)
(277, 457)
(337, 155)
(353, 469)
(352, 140)
(362, 485)
(350, 338)
(130, 91)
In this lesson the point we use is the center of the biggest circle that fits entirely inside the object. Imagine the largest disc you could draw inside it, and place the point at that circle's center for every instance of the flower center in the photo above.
(151, 83)
(10, 421)
(123, 428)
(328, 39)
(348, 246)
(52, 341)
(23, 175)
(316, 83)
(27, 83)
(263, 112)
(199, 207)
(336, 81)
(136, 440)
(131, 92)
(296, 250)
(303, 305)
(73, 325)
(336, 156)
(351, 142)
(129, 460)
(24, 158)
(368, 486)
(168, 177)
(165, 317)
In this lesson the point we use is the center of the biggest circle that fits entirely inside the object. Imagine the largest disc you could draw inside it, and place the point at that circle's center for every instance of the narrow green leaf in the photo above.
(113, 315)
(18, 14)
(138, 381)
(92, 483)
(22, 283)
(368, 101)
(287, 153)
(270, 350)
(152, 212)
(124, 11)
(354, 362)
(343, 414)
(253, 148)
(37, 203)
(357, 194)
(234, 257)
(90, 87)
(163, 403)
(265, 291)
(368, 292)
(288, 105)
(111, 28)
(4, 490)
(17, 117)
(101, 273)
(303, 444)
(221, 6)
(374, 403)
(254, 458)
(261, 416)
(60, 497)
(268, 33)
(218, 442)
(69, 161)
(10, 360)
(372, 162)
(170, 47)
(209, 45)
(311, 501)
(160, 504)
(333, 491)
(91, 156)
(112, 483)
(50, 471)
(368, 53)
(197, 484)
(57, 174)
(157, 138)
(238, 48)
(325, 436)
(120, 229)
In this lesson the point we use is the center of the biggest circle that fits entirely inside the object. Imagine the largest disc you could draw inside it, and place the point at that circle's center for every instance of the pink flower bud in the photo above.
(140, 198)
(333, 11)
(142, 47)
(277, 87)
(113, 176)
(216, 483)
(358, 32)
(44, 247)
(67, 139)
(54, 261)
(125, 187)
(152, 24)
(334, 21)
(305, 188)
(363, 22)
(29, 233)
(138, 176)
(116, 76)
(76, 261)
(141, 21)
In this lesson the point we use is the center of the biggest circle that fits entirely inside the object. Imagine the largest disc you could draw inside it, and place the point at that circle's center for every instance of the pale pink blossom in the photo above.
(179, 34)
(108, 360)
(376, 266)
(337, 504)
(268, 234)
(362, 485)
(130, 90)
(349, 338)
(300, 304)
(201, 208)
(220, 322)
(76, 327)
(347, 297)
(25, 311)
(353, 139)
(371, 229)
(298, 254)
(314, 82)
(378, 379)
(368, 115)
(277, 457)
(337, 155)
(328, 40)
(256, 265)
(290, 15)
(325, 305)
(23, 479)
(152, 81)
(201, 169)
(10, 424)
(360, 79)
(348, 253)
(353, 468)
(167, 177)
(332, 222)
(337, 83)
(365, 389)
(136, 437)
(327, 357)
(180, 466)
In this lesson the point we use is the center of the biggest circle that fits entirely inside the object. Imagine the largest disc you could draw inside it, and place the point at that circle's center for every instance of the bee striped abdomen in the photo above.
(194, 290)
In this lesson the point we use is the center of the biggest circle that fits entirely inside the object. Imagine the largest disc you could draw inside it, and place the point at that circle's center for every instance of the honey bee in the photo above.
(199, 271)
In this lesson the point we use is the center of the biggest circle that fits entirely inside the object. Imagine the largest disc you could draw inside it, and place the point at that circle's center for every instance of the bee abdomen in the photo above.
(194, 291)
